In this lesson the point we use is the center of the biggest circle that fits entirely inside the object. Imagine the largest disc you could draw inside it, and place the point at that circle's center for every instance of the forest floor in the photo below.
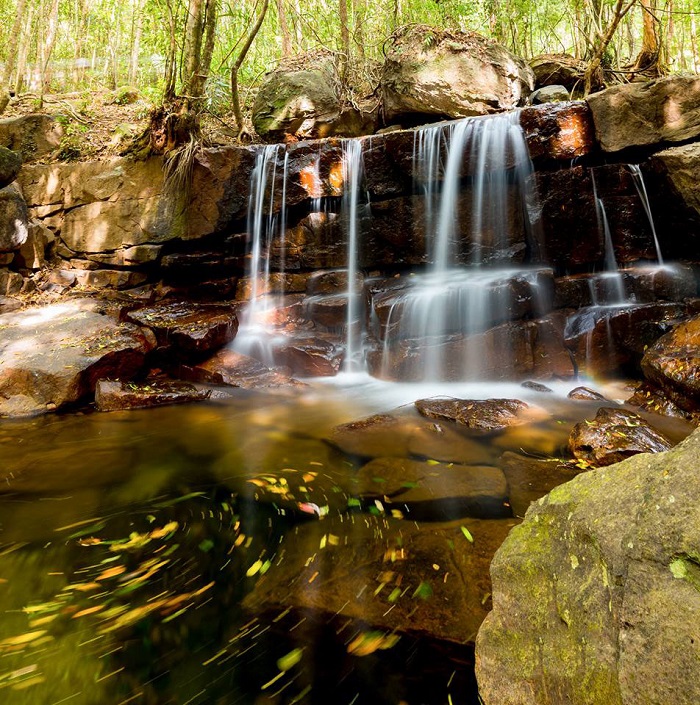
(101, 124)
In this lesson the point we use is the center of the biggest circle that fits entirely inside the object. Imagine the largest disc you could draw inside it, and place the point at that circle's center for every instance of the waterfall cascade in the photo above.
(482, 304)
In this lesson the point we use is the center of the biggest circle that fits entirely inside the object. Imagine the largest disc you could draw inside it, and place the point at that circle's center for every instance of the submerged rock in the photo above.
(614, 434)
(188, 328)
(53, 355)
(412, 581)
(450, 75)
(111, 395)
(484, 415)
(595, 594)
(433, 491)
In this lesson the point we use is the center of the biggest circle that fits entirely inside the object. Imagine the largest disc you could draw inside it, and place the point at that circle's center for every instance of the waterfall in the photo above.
(638, 178)
(436, 320)
(352, 182)
(263, 224)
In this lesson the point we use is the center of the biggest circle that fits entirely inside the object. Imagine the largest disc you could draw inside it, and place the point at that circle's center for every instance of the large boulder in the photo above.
(450, 75)
(300, 100)
(596, 595)
(10, 164)
(558, 69)
(644, 114)
(52, 356)
(13, 219)
(31, 135)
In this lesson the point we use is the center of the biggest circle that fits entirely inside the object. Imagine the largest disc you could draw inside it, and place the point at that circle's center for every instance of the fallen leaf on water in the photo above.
(467, 534)
(368, 642)
(290, 660)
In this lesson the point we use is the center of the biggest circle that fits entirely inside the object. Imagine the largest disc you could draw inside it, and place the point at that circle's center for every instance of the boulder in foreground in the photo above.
(596, 595)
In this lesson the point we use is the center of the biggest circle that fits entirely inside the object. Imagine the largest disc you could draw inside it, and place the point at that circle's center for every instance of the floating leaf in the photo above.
(467, 534)
(254, 569)
(369, 642)
(290, 660)
(206, 545)
(424, 591)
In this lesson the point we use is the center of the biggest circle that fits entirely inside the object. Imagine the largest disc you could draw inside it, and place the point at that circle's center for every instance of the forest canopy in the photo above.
(210, 48)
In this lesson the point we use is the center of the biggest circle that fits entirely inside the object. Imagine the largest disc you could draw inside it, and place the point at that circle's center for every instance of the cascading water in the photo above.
(638, 178)
(435, 320)
(263, 224)
(352, 180)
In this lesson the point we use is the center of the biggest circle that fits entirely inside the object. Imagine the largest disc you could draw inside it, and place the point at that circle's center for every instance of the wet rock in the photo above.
(484, 415)
(10, 164)
(601, 577)
(309, 356)
(450, 75)
(562, 69)
(643, 114)
(277, 283)
(673, 364)
(549, 94)
(586, 394)
(332, 282)
(536, 387)
(614, 435)
(236, 370)
(432, 491)
(440, 441)
(529, 478)
(13, 219)
(650, 399)
(558, 131)
(329, 311)
(188, 328)
(53, 355)
(376, 436)
(31, 135)
(547, 437)
(604, 339)
(111, 395)
(355, 576)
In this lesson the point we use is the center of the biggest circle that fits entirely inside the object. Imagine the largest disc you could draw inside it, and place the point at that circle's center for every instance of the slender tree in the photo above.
(12, 46)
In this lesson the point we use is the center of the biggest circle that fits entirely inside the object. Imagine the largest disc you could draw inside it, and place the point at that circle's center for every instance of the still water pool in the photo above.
(246, 550)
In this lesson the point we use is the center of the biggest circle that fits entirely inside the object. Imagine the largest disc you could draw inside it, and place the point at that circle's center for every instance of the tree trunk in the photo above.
(358, 11)
(284, 29)
(137, 25)
(344, 40)
(594, 70)
(194, 30)
(12, 44)
(235, 68)
(648, 60)
(49, 43)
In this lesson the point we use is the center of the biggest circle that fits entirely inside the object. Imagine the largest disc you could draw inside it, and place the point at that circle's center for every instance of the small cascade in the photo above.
(607, 288)
(436, 319)
(352, 180)
(264, 224)
(638, 178)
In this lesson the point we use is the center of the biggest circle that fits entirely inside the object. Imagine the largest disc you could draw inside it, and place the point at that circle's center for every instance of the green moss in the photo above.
(686, 568)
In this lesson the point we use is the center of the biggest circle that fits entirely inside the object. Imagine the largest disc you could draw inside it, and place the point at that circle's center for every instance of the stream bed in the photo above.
(265, 548)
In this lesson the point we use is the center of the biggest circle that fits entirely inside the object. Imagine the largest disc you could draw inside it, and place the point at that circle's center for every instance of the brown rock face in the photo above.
(558, 131)
(54, 355)
(31, 135)
(310, 356)
(450, 74)
(642, 114)
(486, 415)
(614, 435)
(117, 396)
(10, 164)
(188, 328)
(673, 364)
(558, 69)
(13, 219)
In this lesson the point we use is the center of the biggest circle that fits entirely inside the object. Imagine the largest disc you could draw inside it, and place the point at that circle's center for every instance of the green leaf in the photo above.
(467, 534)
(290, 660)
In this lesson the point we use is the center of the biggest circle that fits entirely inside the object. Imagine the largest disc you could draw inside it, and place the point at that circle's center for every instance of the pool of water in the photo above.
(229, 552)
